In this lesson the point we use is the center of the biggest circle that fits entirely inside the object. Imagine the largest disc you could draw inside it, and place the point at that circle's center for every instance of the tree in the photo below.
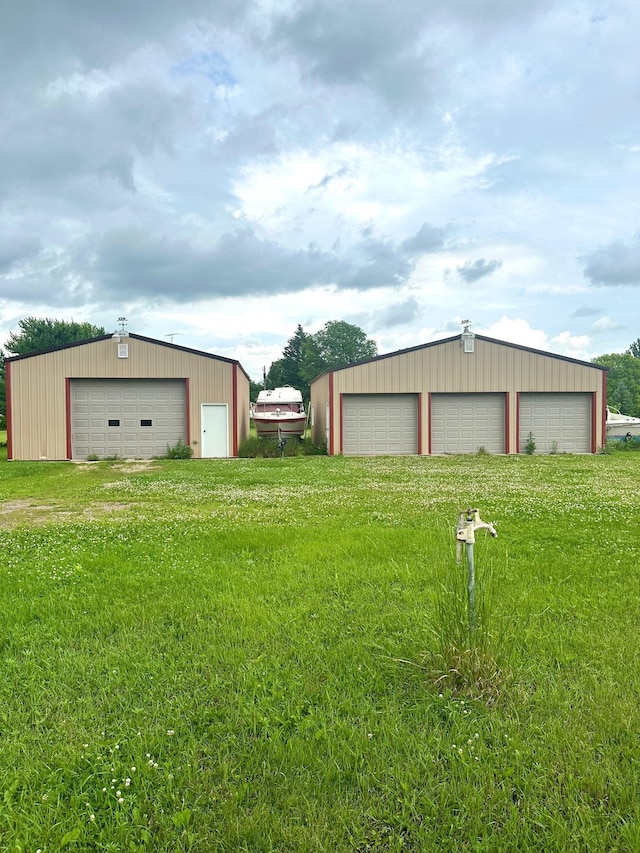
(41, 334)
(305, 356)
(623, 381)
(287, 370)
(634, 348)
(342, 343)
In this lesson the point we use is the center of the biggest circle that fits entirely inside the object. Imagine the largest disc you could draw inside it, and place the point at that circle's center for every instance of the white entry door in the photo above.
(215, 432)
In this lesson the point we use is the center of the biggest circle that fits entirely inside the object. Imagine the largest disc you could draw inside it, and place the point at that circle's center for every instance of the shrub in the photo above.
(180, 450)
(530, 446)
(254, 447)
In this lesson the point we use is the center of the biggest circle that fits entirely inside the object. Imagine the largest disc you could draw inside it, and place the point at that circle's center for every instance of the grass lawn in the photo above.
(234, 655)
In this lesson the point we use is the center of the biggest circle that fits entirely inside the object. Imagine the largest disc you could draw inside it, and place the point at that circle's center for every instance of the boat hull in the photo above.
(622, 430)
(280, 427)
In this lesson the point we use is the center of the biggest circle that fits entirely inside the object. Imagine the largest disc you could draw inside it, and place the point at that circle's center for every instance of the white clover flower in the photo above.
(92, 817)
(121, 800)
(118, 793)
(104, 790)
(170, 732)
(133, 769)
(127, 782)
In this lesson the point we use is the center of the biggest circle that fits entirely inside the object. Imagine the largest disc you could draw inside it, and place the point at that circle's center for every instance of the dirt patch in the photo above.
(135, 468)
(7, 507)
(26, 512)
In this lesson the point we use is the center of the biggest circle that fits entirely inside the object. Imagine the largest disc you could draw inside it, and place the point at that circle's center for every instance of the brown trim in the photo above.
(429, 448)
(234, 409)
(340, 431)
(507, 423)
(7, 385)
(594, 423)
(604, 409)
(331, 437)
(187, 403)
(419, 424)
(517, 421)
(67, 408)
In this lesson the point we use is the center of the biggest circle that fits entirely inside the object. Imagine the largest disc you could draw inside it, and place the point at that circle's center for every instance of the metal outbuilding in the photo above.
(124, 395)
(459, 395)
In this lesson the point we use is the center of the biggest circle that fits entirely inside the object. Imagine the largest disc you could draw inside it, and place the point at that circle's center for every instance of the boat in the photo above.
(621, 426)
(279, 413)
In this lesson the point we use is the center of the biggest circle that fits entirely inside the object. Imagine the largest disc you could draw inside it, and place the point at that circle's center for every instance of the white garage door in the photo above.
(463, 423)
(135, 418)
(380, 424)
(559, 423)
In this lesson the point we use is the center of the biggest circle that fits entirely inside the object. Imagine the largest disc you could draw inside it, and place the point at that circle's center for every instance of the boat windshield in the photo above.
(279, 407)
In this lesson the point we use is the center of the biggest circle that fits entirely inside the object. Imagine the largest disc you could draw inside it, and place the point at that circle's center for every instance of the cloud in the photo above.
(399, 314)
(615, 264)
(427, 239)
(606, 324)
(133, 262)
(585, 311)
(14, 250)
(473, 270)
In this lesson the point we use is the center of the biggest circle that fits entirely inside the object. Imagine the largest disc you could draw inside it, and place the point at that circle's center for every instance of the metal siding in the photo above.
(39, 388)
(380, 424)
(463, 423)
(558, 422)
(319, 399)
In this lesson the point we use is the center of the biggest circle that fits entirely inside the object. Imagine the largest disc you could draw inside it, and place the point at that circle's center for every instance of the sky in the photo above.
(221, 171)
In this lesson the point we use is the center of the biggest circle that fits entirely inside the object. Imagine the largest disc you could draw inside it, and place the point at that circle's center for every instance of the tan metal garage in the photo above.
(463, 423)
(380, 424)
(124, 395)
(558, 423)
(467, 392)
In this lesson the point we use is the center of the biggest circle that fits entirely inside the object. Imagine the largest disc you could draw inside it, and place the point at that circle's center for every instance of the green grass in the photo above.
(254, 636)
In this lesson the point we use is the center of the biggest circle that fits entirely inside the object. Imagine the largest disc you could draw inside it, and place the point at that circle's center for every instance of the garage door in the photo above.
(380, 424)
(463, 423)
(559, 423)
(134, 418)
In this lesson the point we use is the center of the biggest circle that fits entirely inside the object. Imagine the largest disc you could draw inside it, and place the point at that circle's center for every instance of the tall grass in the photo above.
(232, 629)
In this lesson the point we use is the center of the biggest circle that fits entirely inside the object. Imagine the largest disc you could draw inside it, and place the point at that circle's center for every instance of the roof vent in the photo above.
(468, 338)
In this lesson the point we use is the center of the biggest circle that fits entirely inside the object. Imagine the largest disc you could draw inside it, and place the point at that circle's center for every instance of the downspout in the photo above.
(187, 400)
